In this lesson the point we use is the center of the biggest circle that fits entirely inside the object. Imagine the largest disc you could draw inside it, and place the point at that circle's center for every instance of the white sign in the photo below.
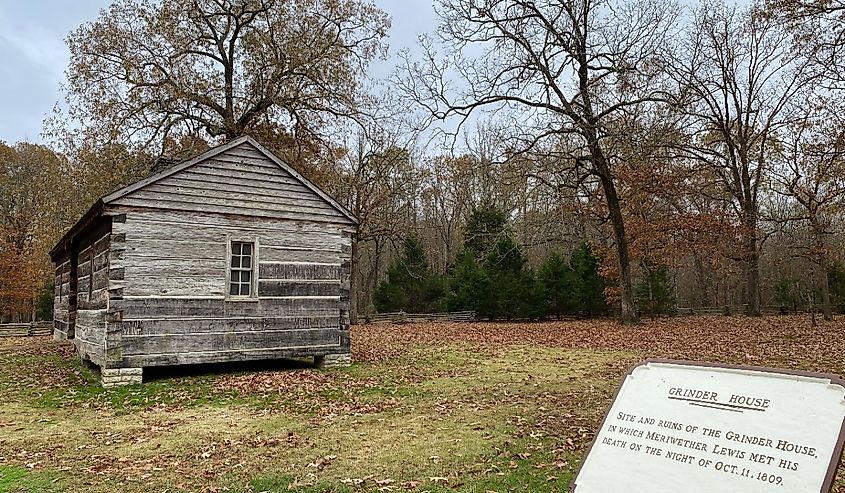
(677, 427)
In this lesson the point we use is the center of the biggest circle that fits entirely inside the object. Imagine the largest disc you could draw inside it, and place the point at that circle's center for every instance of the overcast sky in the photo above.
(33, 55)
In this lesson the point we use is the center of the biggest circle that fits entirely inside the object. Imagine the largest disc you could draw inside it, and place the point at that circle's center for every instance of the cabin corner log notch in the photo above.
(230, 256)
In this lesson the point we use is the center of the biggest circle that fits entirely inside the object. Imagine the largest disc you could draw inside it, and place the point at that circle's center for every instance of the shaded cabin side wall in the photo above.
(61, 300)
(170, 305)
(92, 299)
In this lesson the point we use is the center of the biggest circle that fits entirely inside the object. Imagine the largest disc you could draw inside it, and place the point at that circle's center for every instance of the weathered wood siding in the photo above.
(240, 181)
(92, 299)
(168, 290)
(153, 290)
(61, 300)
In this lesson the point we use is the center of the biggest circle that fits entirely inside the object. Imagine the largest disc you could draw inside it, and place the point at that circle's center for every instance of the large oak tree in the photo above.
(554, 69)
(148, 69)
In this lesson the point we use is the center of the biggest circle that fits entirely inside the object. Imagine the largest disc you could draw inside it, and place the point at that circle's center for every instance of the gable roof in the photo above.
(94, 214)
(219, 150)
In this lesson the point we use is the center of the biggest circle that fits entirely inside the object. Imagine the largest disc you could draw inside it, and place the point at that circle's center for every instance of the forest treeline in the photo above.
(672, 155)
(491, 277)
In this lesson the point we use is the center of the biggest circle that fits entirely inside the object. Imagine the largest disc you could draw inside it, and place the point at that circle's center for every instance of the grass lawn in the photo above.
(476, 407)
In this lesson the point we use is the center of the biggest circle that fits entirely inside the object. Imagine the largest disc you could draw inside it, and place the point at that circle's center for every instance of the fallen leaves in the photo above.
(786, 341)
(478, 378)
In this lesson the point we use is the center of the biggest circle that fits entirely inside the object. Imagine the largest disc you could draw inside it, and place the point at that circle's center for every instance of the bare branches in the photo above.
(149, 70)
(570, 68)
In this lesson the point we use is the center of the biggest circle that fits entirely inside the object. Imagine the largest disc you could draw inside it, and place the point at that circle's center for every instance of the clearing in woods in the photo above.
(427, 407)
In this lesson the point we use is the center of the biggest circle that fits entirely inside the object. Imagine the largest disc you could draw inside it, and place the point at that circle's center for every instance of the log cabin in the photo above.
(229, 256)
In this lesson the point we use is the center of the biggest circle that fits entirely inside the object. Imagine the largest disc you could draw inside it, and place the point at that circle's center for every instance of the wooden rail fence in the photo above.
(740, 310)
(404, 318)
(26, 329)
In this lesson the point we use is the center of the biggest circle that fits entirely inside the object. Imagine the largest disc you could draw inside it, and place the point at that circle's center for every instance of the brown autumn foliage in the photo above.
(31, 218)
(149, 70)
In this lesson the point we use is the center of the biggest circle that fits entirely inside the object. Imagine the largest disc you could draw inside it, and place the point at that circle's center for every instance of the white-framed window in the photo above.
(241, 269)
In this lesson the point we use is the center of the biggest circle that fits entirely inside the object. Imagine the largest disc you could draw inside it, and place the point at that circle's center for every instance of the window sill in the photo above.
(241, 300)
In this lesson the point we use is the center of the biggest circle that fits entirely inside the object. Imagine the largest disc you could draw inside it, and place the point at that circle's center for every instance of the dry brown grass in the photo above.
(427, 407)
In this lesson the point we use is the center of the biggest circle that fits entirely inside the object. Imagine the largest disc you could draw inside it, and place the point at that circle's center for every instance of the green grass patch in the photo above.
(192, 391)
(445, 418)
(15, 479)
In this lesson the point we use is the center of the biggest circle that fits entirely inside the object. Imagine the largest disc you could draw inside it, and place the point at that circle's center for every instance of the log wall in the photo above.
(92, 299)
(168, 293)
(61, 300)
(160, 282)
(80, 302)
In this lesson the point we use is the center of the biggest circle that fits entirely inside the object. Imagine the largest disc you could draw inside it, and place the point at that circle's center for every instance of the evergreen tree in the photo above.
(45, 302)
(410, 284)
(588, 292)
(513, 294)
(656, 292)
(836, 283)
(485, 227)
(498, 286)
(788, 293)
(557, 281)
(469, 286)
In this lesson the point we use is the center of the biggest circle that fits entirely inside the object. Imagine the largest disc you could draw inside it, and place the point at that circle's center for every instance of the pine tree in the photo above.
(500, 285)
(788, 293)
(469, 287)
(588, 292)
(44, 308)
(557, 281)
(514, 290)
(410, 284)
(504, 266)
(656, 292)
(485, 227)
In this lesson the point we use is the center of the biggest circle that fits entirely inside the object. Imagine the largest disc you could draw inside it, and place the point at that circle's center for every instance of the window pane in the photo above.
(240, 268)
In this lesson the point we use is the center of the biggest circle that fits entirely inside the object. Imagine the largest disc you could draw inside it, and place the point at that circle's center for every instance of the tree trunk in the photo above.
(628, 313)
(821, 271)
(824, 288)
(704, 281)
(752, 264)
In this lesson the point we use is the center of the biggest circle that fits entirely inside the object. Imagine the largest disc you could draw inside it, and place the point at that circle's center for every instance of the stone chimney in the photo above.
(162, 163)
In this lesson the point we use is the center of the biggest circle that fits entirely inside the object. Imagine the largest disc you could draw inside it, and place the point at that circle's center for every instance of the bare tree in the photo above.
(557, 68)
(811, 171)
(448, 197)
(377, 181)
(145, 70)
(736, 75)
(819, 33)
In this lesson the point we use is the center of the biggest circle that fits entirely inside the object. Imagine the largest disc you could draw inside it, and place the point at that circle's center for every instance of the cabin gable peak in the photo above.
(298, 191)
